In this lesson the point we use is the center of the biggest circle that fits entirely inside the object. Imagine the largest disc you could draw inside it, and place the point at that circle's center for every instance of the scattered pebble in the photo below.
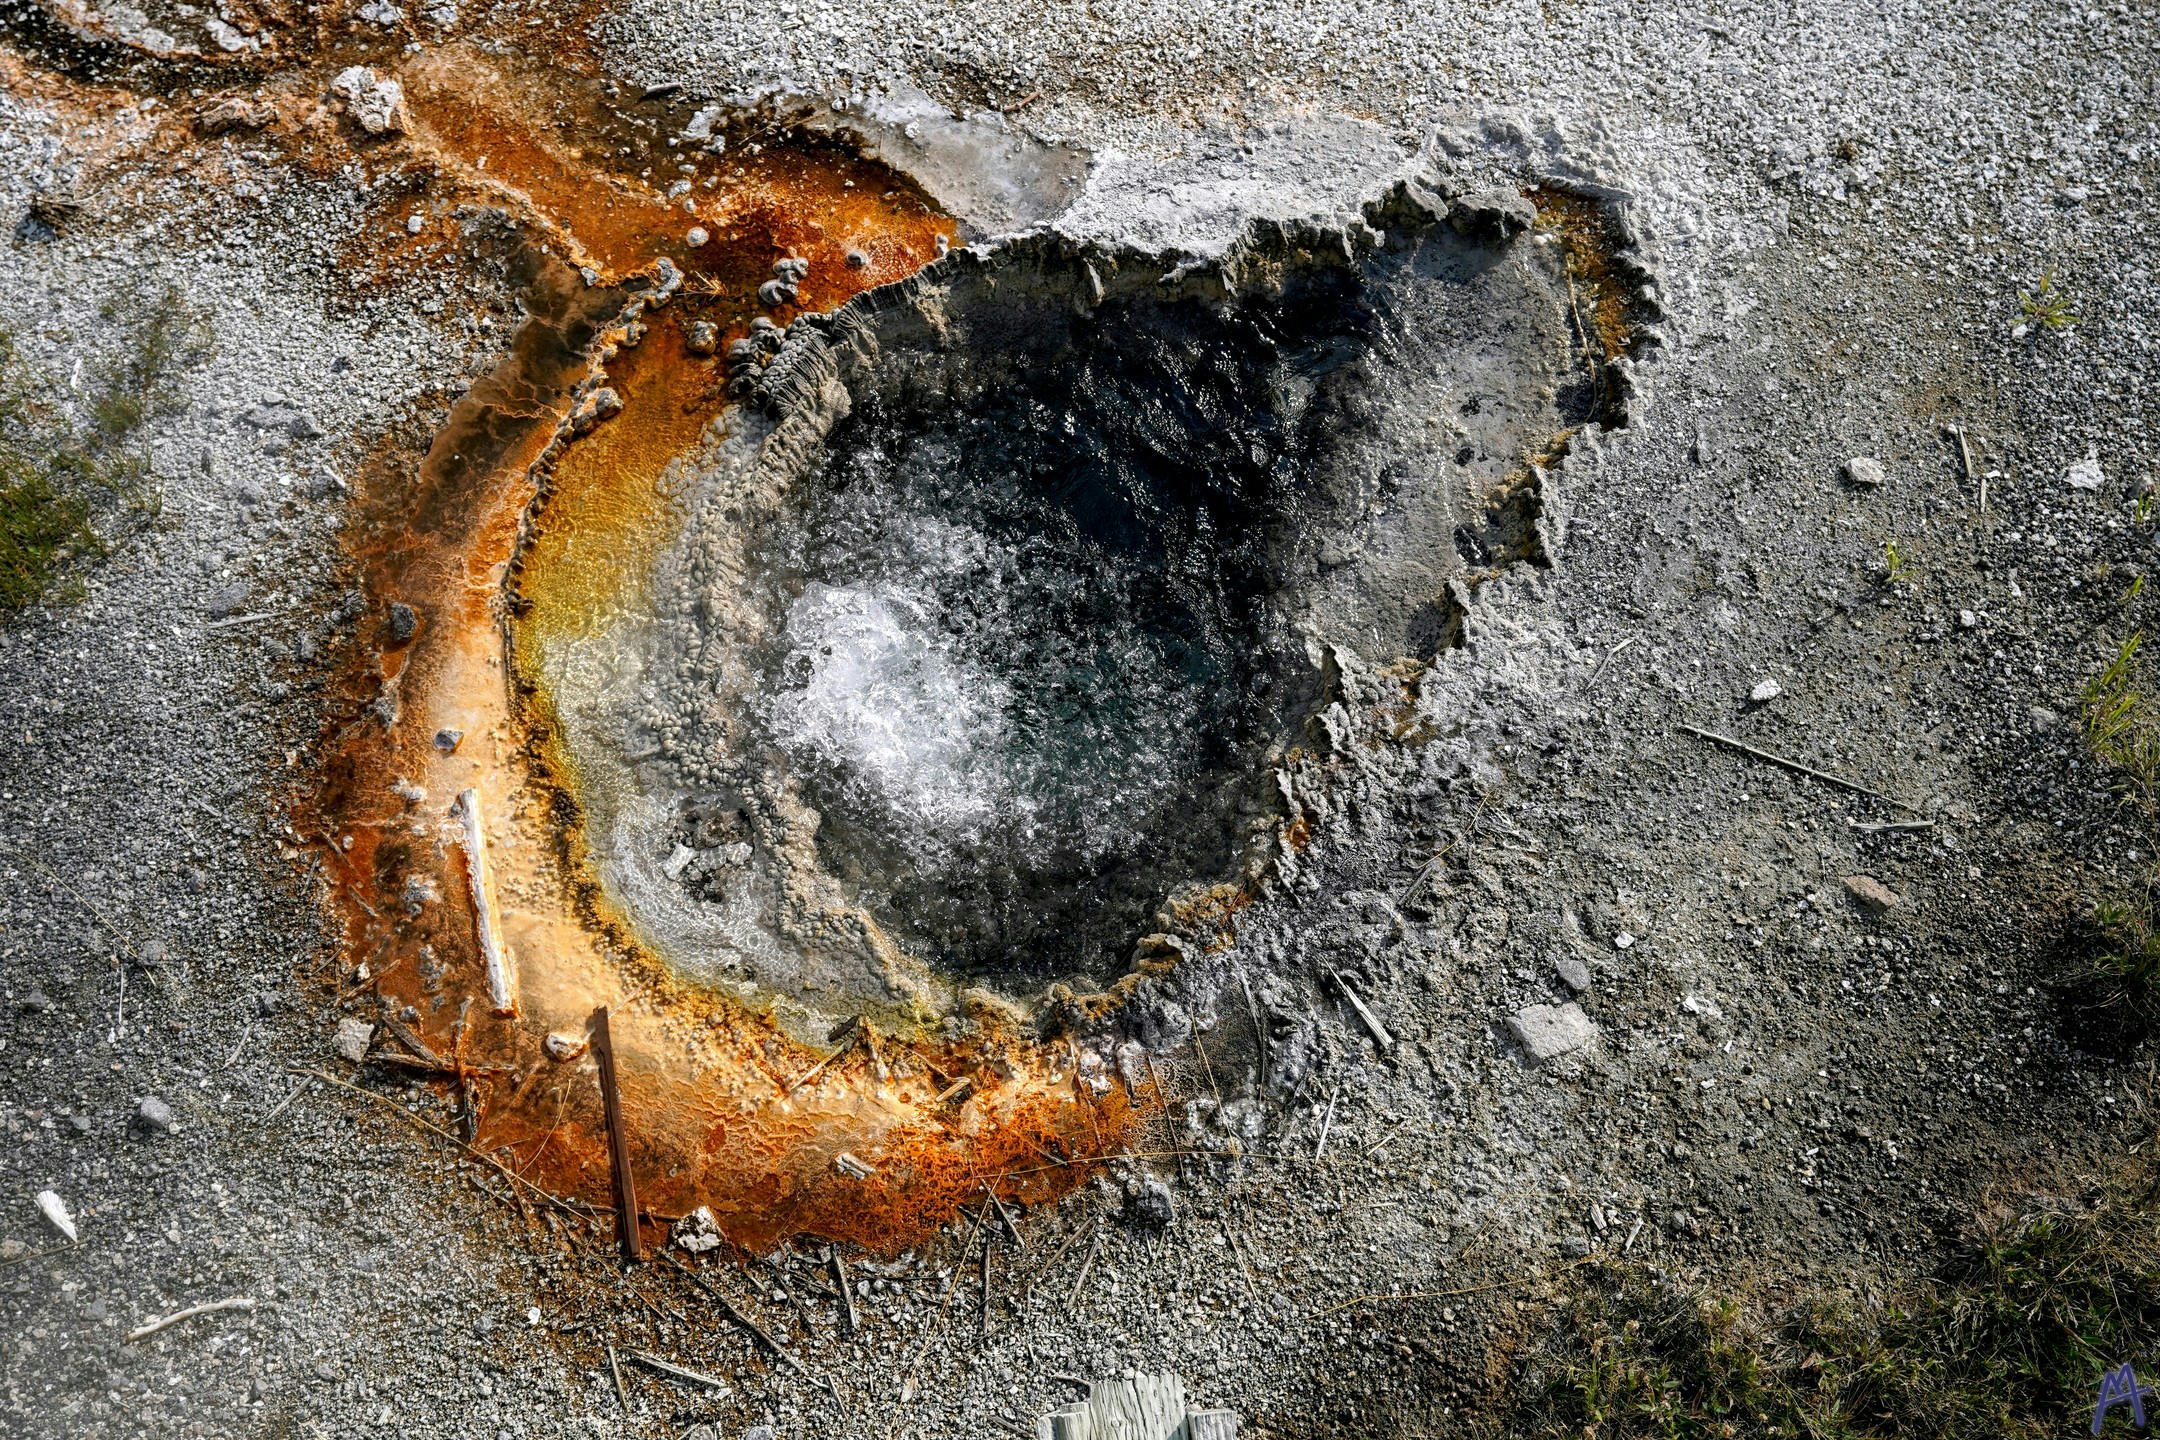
(674, 865)
(404, 623)
(1967, 620)
(226, 599)
(154, 1115)
(447, 740)
(702, 338)
(2086, 474)
(1765, 692)
(1546, 1032)
(377, 105)
(698, 1232)
(1875, 897)
(414, 224)
(1573, 973)
(696, 237)
(353, 1038)
(1623, 941)
(857, 260)
(55, 1211)
(1863, 471)
(562, 1048)
(1152, 1205)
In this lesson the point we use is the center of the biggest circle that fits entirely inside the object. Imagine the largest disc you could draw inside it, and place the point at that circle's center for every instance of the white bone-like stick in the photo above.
(237, 1302)
(483, 900)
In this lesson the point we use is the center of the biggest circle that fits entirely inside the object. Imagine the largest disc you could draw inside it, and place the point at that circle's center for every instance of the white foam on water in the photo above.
(881, 696)
(933, 671)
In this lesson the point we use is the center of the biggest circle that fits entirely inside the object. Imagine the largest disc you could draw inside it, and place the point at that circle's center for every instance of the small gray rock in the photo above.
(1573, 973)
(404, 623)
(1152, 1205)
(447, 741)
(353, 1038)
(1865, 472)
(1546, 1032)
(702, 338)
(37, 1002)
(224, 600)
(1765, 692)
(758, 1432)
(154, 1115)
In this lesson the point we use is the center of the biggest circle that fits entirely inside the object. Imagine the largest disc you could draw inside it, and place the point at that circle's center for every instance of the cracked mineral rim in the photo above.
(874, 658)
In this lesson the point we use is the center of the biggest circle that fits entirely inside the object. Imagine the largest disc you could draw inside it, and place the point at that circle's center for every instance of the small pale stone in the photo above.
(1623, 941)
(1573, 973)
(2086, 474)
(562, 1048)
(1546, 1032)
(55, 1211)
(1967, 620)
(698, 1231)
(1767, 691)
(154, 1114)
(1874, 896)
(1865, 471)
(353, 1038)
(696, 237)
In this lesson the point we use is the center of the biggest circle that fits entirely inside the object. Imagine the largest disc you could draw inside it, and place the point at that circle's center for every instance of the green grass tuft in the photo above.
(2045, 306)
(66, 489)
(2011, 1344)
(2122, 725)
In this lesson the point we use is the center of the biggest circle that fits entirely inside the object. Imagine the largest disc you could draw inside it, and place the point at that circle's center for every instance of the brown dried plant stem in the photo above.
(626, 1211)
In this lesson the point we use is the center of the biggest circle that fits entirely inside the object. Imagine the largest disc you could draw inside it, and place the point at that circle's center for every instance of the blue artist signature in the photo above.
(2120, 1387)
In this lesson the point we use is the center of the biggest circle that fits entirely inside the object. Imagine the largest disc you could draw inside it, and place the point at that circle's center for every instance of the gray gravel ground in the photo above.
(1841, 208)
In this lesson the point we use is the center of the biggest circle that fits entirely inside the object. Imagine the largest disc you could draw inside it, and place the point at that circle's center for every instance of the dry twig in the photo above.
(1797, 768)
(236, 1302)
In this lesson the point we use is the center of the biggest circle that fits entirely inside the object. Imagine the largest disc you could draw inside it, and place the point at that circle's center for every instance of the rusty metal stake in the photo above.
(626, 1223)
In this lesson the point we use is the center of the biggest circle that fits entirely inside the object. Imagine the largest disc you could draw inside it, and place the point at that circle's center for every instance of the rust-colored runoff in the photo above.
(618, 1137)
(489, 536)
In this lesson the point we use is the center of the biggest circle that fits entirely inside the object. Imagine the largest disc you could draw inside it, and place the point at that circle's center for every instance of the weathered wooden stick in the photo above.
(1259, 1031)
(907, 1382)
(501, 991)
(1086, 1265)
(847, 1290)
(1530, 1279)
(1797, 768)
(1372, 1021)
(626, 1222)
(673, 1371)
(751, 1327)
(953, 1091)
(407, 1037)
(1005, 1217)
(237, 1302)
(982, 1318)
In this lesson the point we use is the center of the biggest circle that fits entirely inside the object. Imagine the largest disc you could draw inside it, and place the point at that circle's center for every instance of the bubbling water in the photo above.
(1027, 642)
